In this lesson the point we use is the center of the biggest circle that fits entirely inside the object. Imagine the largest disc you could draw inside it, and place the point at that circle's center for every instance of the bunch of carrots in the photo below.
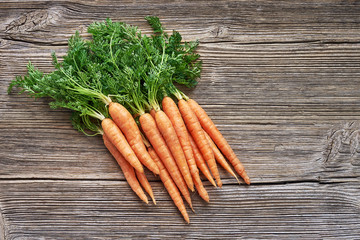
(122, 84)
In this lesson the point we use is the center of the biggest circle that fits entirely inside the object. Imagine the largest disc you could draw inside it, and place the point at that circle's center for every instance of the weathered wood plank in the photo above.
(276, 106)
(281, 81)
(241, 21)
(108, 209)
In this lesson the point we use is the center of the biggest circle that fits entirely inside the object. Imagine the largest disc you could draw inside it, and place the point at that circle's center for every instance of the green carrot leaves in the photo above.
(118, 63)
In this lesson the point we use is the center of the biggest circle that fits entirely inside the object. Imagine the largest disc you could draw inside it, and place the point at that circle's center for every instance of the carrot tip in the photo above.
(237, 179)
(206, 198)
(154, 201)
(246, 178)
(213, 183)
(219, 183)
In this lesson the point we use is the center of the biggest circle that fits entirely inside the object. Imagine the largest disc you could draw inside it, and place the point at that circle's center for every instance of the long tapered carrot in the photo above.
(196, 131)
(128, 126)
(126, 168)
(200, 162)
(219, 139)
(153, 134)
(220, 158)
(170, 185)
(116, 137)
(145, 184)
(168, 132)
(172, 111)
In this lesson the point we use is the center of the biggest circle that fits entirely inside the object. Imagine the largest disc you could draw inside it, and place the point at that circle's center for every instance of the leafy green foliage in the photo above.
(117, 64)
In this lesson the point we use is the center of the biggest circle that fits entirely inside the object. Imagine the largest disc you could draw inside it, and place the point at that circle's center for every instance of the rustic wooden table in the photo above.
(281, 80)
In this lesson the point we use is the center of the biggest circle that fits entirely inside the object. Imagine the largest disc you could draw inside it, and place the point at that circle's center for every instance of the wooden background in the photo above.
(281, 80)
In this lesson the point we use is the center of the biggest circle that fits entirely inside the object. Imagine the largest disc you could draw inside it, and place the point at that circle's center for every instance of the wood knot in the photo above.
(30, 21)
(343, 140)
(29, 26)
(219, 31)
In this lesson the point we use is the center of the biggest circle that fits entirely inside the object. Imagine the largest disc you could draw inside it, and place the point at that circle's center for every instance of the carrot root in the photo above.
(200, 162)
(219, 139)
(196, 131)
(158, 143)
(170, 185)
(127, 169)
(146, 185)
(220, 158)
(168, 132)
(130, 129)
(116, 137)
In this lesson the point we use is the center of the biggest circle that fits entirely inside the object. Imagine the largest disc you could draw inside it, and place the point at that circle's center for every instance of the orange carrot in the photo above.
(172, 111)
(118, 140)
(152, 113)
(219, 139)
(196, 131)
(170, 185)
(153, 134)
(145, 184)
(127, 169)
(220, 158)
(200, 162)
(168, 132)
(128, 126)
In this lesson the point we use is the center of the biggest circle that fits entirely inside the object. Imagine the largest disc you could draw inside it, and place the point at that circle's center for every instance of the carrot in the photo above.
(168, 132)
(220, 158)
(153, 134)
(200, 162)
(172, 111)
(170, 185)
(127, 169)
(152, 113)
(219, 139)
(116, 137)
(128, 126)
(195, 129)
(145, 184)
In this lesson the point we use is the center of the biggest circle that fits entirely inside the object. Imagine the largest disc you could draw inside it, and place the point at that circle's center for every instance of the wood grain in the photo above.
(108, 209)
(281, 81)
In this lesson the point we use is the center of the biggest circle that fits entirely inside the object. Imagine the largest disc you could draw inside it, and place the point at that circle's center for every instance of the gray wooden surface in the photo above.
(281, 80)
